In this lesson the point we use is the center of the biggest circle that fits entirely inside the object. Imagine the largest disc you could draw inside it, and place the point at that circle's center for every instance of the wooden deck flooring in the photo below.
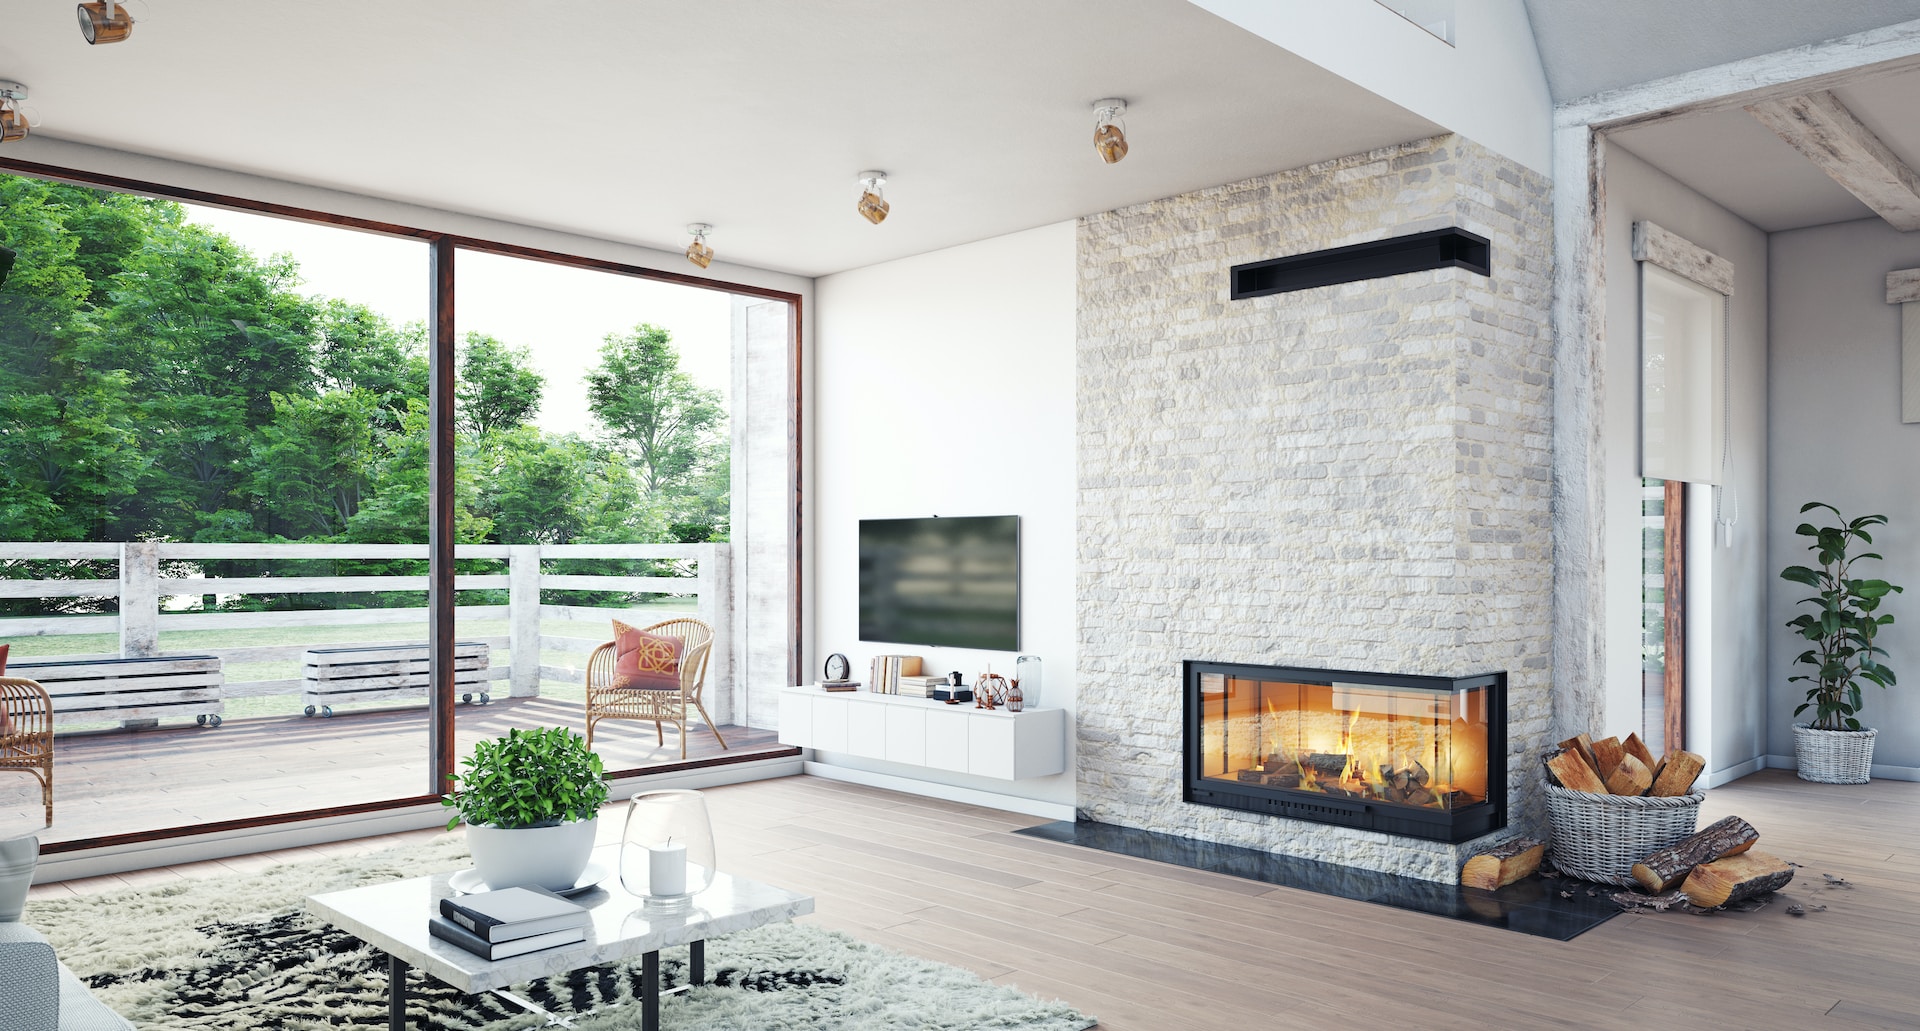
(120, 782)
(1149, 947)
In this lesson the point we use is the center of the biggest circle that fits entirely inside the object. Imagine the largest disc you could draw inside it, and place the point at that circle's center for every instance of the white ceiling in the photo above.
(1588, 46)
(628, 120)
(1733, 160)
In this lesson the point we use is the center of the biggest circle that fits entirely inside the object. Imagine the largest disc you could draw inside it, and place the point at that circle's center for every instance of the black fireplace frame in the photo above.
(1453, 826)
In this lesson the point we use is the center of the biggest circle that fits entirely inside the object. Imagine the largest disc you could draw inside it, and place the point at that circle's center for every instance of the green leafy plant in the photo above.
(530, 778)
(1844, 621)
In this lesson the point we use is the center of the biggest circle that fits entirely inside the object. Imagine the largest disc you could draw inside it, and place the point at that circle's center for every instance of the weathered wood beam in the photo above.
(1820, 126)
(1682, 257)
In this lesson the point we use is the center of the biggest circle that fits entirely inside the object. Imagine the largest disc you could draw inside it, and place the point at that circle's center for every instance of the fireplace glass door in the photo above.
(1414, 747)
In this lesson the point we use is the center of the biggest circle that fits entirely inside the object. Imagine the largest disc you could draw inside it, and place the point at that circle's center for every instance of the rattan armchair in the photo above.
(26, 735)
(658, 707)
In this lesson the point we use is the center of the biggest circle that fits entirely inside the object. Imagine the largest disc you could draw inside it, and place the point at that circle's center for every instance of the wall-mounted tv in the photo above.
(953, 582)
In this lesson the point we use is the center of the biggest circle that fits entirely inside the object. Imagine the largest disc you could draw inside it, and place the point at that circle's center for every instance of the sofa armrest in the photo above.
(29, 981)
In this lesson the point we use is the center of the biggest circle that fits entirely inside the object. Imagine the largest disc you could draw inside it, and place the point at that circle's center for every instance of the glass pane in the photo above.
(1681, 345)
(218, 411)
(1653, 614)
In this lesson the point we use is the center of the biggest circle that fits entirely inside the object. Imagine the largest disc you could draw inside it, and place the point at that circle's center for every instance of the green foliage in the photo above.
(664, 420)
(1844, 621)
(498, 388)
(530, 778)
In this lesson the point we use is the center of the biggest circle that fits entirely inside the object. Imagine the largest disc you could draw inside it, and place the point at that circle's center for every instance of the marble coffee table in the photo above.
(392, 917)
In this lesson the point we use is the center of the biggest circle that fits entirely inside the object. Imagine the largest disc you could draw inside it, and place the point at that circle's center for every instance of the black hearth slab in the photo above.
(1533, 906)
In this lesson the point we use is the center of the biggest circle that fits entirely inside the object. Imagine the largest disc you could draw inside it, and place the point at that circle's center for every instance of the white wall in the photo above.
(1488, 86)
(1838, 438)
(945, 386)
(1726, 696)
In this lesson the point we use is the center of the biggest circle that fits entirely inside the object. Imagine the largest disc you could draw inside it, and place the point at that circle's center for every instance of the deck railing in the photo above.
(143, 616)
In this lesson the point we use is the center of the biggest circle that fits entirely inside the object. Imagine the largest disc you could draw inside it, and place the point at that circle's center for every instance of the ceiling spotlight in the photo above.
(13, 122)
(873, 204)
(104, 21)
(1109, 136)
(698, 252)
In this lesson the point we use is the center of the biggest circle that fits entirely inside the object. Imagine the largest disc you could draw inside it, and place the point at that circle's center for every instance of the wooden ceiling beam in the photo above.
(1820, 126)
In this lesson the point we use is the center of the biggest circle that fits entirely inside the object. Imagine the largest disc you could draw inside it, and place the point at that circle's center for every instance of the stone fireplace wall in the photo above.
(1349, 477)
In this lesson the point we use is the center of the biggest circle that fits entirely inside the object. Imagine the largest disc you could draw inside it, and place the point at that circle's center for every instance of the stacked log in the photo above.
(1611, 767)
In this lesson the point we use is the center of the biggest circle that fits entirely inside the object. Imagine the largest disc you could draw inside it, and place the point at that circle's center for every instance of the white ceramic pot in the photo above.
(547, 857)
(1833, 756)
(18, 857)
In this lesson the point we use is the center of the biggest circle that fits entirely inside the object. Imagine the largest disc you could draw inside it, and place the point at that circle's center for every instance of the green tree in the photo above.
(309, 467)
(664, 421)
(498, 388)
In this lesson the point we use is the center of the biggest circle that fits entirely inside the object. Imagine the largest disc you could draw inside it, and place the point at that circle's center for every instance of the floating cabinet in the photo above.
(920, 732)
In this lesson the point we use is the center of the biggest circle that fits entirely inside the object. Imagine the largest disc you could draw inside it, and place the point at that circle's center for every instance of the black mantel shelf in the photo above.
(1420, 252)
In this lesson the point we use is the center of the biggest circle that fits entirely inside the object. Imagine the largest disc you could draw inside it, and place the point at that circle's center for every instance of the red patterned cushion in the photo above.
(643, 661)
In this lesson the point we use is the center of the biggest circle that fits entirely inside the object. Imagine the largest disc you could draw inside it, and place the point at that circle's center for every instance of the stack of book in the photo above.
(887, 671)
(509, 922)
(920, 687)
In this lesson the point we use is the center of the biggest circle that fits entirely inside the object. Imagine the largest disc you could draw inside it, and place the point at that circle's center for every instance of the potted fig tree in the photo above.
(1832, 747)
(531, 801)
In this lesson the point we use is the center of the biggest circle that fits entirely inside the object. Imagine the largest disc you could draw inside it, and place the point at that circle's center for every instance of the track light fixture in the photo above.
(1109, 136)
(104, 21)
(873, 204)
(698, 252)
(13, 121)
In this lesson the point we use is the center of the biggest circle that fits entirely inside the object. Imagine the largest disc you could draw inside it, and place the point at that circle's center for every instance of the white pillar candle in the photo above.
(667, 868)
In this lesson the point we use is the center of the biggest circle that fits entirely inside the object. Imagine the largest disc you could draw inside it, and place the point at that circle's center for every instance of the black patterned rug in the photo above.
(241, 954)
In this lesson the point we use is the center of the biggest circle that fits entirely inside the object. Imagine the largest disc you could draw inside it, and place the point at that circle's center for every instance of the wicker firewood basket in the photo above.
(1600, 837)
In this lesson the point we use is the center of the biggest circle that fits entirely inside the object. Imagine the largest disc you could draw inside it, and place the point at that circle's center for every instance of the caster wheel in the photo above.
(213, 721)
(485, 698)
(326, 711)
(201, 719)
(467, 698)
(311, 710)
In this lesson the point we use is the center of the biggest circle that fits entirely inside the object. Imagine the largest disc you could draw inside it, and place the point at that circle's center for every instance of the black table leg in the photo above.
(697, 961)
(396, 994)
(650, 992)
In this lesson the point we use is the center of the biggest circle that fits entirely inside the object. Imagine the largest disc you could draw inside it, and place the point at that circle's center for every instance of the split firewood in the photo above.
(1606, 757)
(1583, 745)
(1638, 749)
(1735, 879)
(1417, 774)
(1677, 773)
(1666, 868)
(1630, 777)
(1326, 764)
(1574, 774)
(1503, 864)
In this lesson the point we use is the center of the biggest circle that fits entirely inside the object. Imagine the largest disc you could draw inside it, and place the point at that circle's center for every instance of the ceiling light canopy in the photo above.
(698, 252)
(104, 21)
(1109, 135)
(873, 204)
(13, 122)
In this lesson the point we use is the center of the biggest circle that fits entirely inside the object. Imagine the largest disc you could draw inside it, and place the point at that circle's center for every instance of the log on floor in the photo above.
(1502, 865)
(1735, 878)
(1669, 866)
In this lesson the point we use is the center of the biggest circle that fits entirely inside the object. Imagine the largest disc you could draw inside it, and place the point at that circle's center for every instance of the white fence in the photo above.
(143, 617)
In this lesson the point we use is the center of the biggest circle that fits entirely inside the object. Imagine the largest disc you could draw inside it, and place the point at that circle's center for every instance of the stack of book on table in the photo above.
(920, 687)
(509, 922)
(887, 671)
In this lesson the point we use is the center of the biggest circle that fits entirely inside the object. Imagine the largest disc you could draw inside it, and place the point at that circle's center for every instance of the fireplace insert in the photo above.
(1418, 756)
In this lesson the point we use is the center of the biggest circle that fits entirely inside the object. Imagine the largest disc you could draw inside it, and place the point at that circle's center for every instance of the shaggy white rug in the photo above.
(226, 955)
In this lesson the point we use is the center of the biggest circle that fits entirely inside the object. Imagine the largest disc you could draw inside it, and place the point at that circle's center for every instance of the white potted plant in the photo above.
(531, 802)
(1833, 747)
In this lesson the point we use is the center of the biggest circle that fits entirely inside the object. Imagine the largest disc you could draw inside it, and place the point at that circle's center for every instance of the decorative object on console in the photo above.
(666, 851)
(1016, 699)
(1026, 671)
(888, 669)
(837, 669)
(990, 690)
(530, 801)
(1833, 747)
(955, 692)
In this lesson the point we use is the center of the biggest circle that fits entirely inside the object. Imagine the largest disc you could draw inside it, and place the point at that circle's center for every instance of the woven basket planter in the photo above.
(1833, 756)
(1600, 837)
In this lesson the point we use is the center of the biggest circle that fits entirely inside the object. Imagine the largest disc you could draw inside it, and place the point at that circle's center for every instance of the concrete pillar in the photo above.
(523, 619)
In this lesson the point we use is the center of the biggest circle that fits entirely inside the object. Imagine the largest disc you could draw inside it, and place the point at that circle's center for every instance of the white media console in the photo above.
(922, 732)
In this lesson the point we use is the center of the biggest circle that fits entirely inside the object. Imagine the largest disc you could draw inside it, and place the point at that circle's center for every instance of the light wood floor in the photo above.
(120, 782)
(1148, 947)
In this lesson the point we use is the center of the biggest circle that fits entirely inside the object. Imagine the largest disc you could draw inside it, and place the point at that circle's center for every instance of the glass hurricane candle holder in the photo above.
(666, 851)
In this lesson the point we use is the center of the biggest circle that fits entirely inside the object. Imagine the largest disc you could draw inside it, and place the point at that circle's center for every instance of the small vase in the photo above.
(1833, 756)
(18, 857)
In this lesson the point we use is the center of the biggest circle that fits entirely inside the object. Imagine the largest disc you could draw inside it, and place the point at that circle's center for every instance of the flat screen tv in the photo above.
(953, 582)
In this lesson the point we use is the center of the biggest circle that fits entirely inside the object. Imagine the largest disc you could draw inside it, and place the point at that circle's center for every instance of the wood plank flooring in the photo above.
(1149, 947)
(118, 782)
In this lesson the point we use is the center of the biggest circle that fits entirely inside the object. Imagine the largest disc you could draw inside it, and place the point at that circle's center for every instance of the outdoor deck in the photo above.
(121, 782)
